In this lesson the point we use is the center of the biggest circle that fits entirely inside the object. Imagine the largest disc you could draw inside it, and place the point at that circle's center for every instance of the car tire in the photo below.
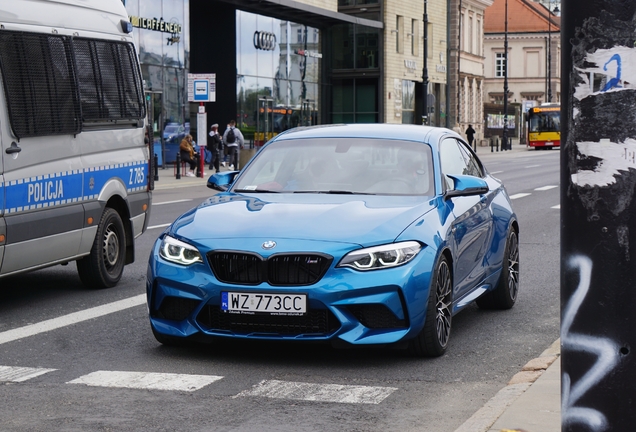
(103, 267)
(505, 294)
(433, 338)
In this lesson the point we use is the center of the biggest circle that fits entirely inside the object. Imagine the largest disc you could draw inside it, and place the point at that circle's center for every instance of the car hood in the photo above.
(365, 220)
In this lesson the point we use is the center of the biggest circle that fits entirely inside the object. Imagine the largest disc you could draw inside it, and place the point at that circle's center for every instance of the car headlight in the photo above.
(179, 252)
(379, 257)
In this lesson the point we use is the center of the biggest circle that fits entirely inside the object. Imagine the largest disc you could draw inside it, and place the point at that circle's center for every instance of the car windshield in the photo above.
(340, 166)
(171, 129)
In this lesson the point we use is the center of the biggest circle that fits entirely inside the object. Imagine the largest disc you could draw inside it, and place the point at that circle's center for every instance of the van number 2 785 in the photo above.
(137, 176)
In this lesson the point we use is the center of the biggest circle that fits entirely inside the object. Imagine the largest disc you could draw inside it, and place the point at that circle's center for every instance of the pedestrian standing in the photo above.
(470, 135)
(214, 146)
(234, 141)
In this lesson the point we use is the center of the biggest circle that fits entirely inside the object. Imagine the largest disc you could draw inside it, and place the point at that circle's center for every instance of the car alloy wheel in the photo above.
(433, 338)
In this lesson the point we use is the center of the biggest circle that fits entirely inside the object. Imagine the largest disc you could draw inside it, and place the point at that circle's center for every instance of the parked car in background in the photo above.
(173, 133)
(359, 235)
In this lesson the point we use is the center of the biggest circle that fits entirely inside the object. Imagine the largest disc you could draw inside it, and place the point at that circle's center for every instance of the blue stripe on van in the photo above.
(69, 187)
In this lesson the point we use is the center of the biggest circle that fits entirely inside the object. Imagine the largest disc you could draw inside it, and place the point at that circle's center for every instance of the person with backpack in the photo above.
(233, 139)
(215, 145)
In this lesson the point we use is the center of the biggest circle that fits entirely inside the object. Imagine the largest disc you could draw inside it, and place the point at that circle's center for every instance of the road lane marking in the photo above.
(20, 374)
(158, 226)
(70, 319)
(171, 202)
(496, 172)
(545, 188)
(519, 195)
(318, 392)
(533, 166)
(146, 380)
(558, 207)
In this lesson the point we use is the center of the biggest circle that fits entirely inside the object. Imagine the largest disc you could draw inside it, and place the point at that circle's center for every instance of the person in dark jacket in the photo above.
(470, 135)
(215, 145)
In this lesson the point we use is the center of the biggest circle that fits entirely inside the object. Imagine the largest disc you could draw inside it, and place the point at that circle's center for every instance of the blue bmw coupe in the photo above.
(366, 234)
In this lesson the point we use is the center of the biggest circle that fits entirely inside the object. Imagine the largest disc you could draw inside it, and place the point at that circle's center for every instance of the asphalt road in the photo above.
(62, 379)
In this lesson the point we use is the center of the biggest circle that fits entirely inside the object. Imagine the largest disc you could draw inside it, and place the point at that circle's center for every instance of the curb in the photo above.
(486, 416)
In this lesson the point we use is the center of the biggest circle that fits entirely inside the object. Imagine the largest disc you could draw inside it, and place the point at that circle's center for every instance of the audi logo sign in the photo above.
(264, 41)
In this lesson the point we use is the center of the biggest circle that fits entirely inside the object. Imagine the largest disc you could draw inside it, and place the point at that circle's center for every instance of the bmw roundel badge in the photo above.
(269, 245)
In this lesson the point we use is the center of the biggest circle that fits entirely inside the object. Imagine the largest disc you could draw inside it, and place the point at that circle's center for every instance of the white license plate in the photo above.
(548, 143)
(273, 304)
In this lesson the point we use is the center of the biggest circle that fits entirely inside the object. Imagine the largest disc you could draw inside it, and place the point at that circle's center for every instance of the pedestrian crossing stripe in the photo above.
(519, 195)
(319, 392)
(20, 374)
(146, 380)
(275, 389)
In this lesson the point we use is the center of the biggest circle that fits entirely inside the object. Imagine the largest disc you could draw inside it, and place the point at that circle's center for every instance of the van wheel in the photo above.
(105, 264)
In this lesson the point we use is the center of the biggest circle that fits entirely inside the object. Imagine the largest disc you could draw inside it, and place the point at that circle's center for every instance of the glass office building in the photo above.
(277, 66)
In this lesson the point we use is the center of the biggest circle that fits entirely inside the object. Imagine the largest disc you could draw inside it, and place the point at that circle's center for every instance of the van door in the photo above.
(43, 213)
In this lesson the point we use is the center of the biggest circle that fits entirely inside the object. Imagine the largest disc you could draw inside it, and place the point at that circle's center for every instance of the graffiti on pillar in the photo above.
(600, 200)
(602, 138)
(604, 351)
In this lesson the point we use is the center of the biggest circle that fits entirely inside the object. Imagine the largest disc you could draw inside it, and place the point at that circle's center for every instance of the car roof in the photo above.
(405, 132)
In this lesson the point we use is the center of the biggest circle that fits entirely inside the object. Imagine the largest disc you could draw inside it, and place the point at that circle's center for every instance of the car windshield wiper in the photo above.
(334, 192)
(255, 191)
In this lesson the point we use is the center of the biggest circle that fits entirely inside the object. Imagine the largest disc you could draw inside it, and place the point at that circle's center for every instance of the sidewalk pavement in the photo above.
(531, 402)
(168, 180)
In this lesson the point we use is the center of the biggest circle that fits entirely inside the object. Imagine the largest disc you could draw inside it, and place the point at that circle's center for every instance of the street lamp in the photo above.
(556, 9)
(425, 69)
(504, 138)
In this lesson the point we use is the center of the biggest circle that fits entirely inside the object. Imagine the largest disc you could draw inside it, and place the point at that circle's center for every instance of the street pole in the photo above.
(550, 52)
(504, 139)
(425, 69)
(598, 216)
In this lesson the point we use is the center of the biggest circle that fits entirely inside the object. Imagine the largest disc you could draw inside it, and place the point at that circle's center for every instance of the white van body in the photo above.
(74, 167)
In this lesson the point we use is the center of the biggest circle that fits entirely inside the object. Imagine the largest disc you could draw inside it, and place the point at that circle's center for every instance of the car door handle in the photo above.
(13, 148)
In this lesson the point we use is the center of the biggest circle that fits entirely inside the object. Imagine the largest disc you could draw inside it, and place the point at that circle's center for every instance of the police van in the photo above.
(74, 165)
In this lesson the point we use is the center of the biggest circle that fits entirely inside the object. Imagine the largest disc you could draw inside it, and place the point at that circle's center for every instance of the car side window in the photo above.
(452, 161)
(473, 167)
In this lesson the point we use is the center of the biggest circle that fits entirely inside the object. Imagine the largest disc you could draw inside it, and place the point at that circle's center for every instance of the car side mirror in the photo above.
(466, 185)
(222, 181)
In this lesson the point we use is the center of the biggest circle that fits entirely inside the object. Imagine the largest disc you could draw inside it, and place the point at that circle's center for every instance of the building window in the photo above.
(471, 36)
(399, 34)
(355, 100)
(414, 38)
(355, 47)
(408, 102)
(462, 40)
(301, 35)
(500, 65)
(480, 34)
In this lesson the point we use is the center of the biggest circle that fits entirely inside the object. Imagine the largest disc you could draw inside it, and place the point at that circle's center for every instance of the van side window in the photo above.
(39, 84)
(112, 90)
(58, 85)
